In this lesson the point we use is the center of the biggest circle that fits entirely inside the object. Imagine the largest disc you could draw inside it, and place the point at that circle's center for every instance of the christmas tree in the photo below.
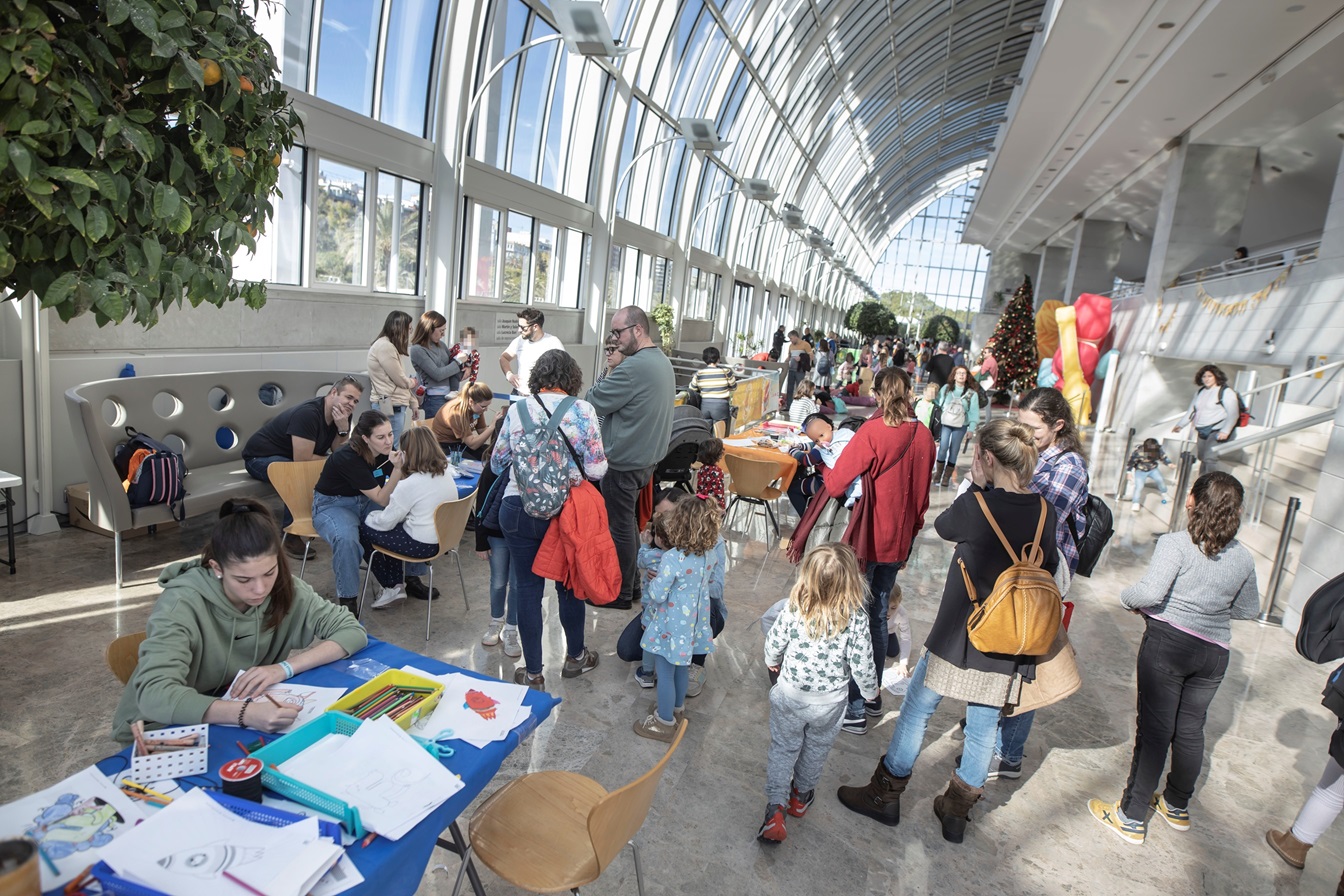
(1013, 344)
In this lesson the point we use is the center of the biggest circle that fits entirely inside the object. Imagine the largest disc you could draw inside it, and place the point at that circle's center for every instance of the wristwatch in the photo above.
(344, 435)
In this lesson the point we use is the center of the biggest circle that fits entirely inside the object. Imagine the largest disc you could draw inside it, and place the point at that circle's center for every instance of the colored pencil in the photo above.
(274, 702)
(244, 884)
(246, 751)
(364, 844)
(51, 866)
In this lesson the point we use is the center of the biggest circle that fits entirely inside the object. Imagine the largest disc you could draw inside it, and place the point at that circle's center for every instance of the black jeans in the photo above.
(629, 649)
(1178, 676)
(620, 492)
(880, 577)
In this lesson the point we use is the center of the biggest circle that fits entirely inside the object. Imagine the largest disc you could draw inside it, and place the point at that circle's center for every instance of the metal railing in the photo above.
(1266, 443)
(1267, 616)
(1265, 261)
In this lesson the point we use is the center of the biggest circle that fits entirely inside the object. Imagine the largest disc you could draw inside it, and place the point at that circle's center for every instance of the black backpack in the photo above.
(1097, 530)
(159, 479)
(1320, 633)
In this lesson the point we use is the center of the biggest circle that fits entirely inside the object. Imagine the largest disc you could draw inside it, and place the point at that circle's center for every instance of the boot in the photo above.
(1339, 890)
(880, 798)
(938, 472)
(949, 473)
(1290, 849)
(953, 808)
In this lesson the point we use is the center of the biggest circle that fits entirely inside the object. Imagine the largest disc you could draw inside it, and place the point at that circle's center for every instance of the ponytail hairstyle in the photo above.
(1052, 407)
(247, 531)
(1012, 447)
(1215, 516)
(457, 413)
(891, 391)
(359, 436)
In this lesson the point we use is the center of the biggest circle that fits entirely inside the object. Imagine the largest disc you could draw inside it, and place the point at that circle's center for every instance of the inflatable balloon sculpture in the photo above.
(1047, 330)
(1083, 326)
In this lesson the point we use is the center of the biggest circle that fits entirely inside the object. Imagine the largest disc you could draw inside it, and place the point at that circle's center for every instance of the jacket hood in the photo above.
(194, 577)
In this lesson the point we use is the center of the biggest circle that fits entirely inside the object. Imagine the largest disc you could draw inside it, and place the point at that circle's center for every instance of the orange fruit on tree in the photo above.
(210, 69)
(238, 152)
(275, 160)
(245, 84)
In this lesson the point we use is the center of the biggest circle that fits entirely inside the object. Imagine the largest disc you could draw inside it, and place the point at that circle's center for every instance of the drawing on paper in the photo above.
(481, 704)
(291, 697)
(209, 860)
(379, 791)
(71, 825)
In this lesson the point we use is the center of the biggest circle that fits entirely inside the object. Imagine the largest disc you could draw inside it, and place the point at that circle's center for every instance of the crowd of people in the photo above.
(561, 457)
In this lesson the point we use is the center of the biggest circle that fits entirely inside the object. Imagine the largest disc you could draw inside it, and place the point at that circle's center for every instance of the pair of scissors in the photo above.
(437, 745)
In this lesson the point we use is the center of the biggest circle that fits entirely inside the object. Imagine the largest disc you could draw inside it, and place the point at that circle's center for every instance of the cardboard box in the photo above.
(77, 496)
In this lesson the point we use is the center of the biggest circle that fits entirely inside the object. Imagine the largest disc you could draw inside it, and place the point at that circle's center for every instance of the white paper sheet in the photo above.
(72, 822)
(311, 701)
(342, 876)
(475, 710)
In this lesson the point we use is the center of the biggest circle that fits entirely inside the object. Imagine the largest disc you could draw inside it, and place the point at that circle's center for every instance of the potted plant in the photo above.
(664, 316)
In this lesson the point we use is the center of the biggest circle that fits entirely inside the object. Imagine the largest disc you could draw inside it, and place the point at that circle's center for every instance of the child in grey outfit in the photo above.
(818, 642)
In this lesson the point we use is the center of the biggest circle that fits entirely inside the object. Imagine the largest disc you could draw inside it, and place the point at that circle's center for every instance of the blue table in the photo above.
(391, 868)
(466, 483)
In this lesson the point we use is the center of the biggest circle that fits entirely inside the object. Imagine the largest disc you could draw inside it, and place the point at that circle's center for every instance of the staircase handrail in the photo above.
(1266, 435)
(1296, 376)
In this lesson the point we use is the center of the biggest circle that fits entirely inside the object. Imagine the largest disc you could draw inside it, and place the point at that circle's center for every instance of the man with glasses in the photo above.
(634, 401)
(529, 345)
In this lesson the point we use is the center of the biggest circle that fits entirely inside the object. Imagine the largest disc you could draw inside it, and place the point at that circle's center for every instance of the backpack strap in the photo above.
(1031, 553)
(553, 421)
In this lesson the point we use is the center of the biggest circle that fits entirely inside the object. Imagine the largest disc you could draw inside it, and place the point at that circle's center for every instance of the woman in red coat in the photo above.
(893, 454)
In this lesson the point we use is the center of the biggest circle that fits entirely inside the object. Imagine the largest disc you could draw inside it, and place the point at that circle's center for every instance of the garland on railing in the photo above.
(1220, 308)
(1163, 327)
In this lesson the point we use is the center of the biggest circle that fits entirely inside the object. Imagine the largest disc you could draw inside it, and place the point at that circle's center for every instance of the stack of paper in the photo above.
(196, 846)
(380, 770)
(474, 710)
(309, 700)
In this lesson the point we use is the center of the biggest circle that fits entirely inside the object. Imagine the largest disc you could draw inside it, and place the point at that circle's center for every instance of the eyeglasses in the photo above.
(616, 332)
(523, 328)
(609, 349)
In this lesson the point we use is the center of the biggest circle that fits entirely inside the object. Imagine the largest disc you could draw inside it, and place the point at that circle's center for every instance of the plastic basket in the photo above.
(294, 743)
(394, 677)
(268, 815)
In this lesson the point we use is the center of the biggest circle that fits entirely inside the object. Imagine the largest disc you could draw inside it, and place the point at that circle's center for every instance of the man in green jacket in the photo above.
(635, 401)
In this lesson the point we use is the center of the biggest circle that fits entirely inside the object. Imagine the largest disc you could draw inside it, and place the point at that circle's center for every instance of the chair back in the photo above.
(750, 478)
(615, 820)
(123, 654)
(450, 521)
(720, 429)
(294, 481)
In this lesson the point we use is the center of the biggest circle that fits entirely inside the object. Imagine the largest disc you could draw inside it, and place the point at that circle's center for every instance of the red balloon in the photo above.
(1094, 316)
(1088, 356)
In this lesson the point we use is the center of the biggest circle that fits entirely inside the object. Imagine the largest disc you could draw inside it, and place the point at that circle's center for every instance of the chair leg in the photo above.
(639, 869)
(462, 869)
(429, 604)
(304, 565)
(728, 511)
(359, 604)
(771, 513)
(460, 578)
(116, 551)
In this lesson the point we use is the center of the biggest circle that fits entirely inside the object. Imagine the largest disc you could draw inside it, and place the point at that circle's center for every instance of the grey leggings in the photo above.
(1323, 806)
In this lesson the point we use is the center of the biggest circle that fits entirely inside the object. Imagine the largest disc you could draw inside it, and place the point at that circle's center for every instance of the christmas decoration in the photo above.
(1013, 344)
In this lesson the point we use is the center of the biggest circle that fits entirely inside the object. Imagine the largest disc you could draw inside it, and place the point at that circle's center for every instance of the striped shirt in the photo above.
(714, 382)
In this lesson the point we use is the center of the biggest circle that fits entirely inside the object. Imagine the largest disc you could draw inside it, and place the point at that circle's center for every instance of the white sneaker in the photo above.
(512, 645)
(389, 597)
(695, 680)
(491, 637)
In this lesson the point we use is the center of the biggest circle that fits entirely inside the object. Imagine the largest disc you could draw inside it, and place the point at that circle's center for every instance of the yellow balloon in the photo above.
(1047, 330)
(1073, 384)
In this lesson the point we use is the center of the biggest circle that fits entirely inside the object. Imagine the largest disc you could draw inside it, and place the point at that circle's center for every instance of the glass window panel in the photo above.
(614, 276)
(396, 234)
(578, 249)
(279, 255)
(490, 129)
(533, 95)
(408, 246)
(345, 53)
(544, 286)
(407, 63)
(483, 263)
(552, 156)
(661, 282)
(517, 259)
(339, 225)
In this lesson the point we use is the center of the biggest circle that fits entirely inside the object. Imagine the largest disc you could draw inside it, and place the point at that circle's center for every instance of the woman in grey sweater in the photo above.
(438, 371)
(1197, 582)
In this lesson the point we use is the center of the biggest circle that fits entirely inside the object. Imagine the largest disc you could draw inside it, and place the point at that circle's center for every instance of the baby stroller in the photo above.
(689, 429)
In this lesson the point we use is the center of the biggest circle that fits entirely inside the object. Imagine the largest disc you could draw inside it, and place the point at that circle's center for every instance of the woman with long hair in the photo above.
(390, 384)
(893, 454)
(961, 415)
(1213, 412)
(1197, 582)
(236, 607)
(435, 367)
(461, 423)
(1001, 472)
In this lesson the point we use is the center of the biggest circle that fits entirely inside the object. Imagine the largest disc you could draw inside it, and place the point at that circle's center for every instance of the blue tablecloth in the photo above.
(391, 868)
(466, 482)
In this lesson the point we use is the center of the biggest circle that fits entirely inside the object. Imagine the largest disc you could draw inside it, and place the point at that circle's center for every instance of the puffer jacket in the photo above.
(578, 551)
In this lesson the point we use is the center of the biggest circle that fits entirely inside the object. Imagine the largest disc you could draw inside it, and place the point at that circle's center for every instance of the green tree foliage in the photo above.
(941, 328)
(871, 319)
(139, 144)
(1014, 341)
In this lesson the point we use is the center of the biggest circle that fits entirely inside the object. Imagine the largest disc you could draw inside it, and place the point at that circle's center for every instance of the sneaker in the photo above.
(520, 676)
(1177, 818)
(1002, 768)
(416, 589)
(491, 636)
(695, 680)
(772, 829)
(647, 678)
(389, 597)
(576, 667)
(855, 725)
(513, 647)
(1135, 507)
(298, 548)
(655, 728)
(1109, 815)
(873, 708)
(799, 802)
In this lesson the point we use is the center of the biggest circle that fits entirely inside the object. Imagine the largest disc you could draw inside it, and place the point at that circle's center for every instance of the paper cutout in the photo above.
(481, 704)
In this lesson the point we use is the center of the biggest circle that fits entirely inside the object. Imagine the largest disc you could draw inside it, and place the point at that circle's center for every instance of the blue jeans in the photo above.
(502, 590)
(880, 576)
(908, 738)
(949, 443)
(256, 468)
(672, 684)
(398, 419)
(337, 520)
(1012, 740)
(524, 534)
(1142, 476)
(432, 403)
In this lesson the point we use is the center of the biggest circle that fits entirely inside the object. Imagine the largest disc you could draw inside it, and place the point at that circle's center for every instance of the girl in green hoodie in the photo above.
(235, 609)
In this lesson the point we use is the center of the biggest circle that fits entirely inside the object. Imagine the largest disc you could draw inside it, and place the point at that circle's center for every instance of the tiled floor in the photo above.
(1267, 736)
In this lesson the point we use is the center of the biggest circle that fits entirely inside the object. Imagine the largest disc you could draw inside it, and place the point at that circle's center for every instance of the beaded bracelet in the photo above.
(289, 670)
(242, 710)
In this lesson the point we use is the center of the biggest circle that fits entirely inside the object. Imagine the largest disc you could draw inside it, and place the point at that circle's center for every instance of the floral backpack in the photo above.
(543, 460)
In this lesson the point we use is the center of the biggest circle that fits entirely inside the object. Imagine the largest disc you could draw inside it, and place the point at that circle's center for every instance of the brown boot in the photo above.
(880, 798)
(1339, 890)
(1290, 849)
(938, 471)
(953, 808)
(949, 473)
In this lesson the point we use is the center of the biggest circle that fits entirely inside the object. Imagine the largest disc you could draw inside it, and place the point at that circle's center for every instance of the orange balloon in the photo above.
(1047, 329)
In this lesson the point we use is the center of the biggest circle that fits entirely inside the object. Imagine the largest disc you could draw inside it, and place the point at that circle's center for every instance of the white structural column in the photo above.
(1052, 273)
(1096, 251)
(1323, 542)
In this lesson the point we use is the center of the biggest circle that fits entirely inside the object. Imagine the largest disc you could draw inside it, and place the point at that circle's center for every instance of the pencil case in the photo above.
(177, 764)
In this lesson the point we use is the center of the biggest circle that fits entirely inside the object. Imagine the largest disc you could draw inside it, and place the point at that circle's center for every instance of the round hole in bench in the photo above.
(226, 438)
(113, 413)
(271, 394)
(176, 443)
(322, 390)
(167, 405)
(219, 399)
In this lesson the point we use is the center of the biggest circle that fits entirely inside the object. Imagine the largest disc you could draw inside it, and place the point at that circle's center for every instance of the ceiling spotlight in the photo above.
(1166, 26)
(759, 189)
(1030, 27)
(1012, 80)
